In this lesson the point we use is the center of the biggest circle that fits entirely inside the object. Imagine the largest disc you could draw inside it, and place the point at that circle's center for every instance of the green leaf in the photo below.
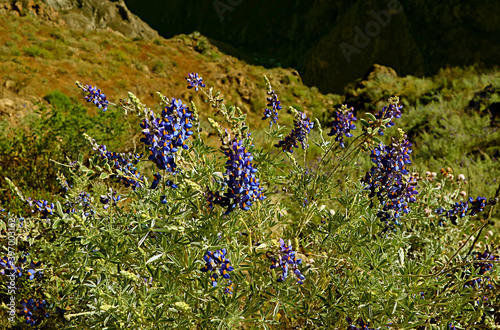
(365, 123)
(156, 257)
(57, 223)
(59, 209)
(371, 116)
(104, 175)
(386, 121)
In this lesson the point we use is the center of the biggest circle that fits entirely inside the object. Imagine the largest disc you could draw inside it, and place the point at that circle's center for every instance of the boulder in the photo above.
(86, 14)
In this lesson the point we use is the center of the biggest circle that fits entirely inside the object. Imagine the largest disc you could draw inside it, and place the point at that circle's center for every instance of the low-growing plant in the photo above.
(181, 234)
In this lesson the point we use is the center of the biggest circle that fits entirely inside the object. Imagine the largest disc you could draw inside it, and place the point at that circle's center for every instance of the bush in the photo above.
(250, 237)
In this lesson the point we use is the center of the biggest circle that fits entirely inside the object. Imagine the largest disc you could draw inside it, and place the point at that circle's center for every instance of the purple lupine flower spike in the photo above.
(275, 106)
(95, 96)
(303, 127)
(243, 188)
(343, 124)
(195, 81)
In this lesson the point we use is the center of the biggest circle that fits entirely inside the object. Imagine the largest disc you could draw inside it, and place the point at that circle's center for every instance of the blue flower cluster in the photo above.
(65, 185)
(41, 206)
(243, 188)
(125, 163)
(9, 265)
(391, 111)
(95, 96)
(156, 181)
(33, 310)
(112, 197)
(477, 205)
(275, 105)
(83, 201)
(482, 268)
(217, 261)
(360, 322)
(303, 127)
(194, 81)
(460, 209)
(389, 179)
(343, 124)
(167, 133)
(284, 259)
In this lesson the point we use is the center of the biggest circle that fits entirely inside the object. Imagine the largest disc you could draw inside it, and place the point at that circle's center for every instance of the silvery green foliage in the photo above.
(160, 256)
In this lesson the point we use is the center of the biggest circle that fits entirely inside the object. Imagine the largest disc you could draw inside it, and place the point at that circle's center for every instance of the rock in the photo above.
(10, 84)
(96, 14)
(371, 89)
(86, 14)
(379, 72)
(18, 6)
(244, 93)
(6, 106)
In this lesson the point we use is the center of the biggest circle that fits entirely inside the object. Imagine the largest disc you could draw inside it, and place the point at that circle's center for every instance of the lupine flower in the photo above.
(343, 124)
(156, 181)
(32, 271)
(34, 311)
(360, 322)
(229, 288)
(275, 105)
(124, 163)
(217, 261)
(391, 111)
(167, 133)
(389, 179)
(171, 184)
(482, 268)
(243, 188)
(195, 81)
(303, 126)
(458, 210)
(83, 201)
(22, 259)
(41, 206)
(95, 96)
(112, 197)
(163, 199)
(285, 259)
(9, 265)
(477, 205)
(64, 184)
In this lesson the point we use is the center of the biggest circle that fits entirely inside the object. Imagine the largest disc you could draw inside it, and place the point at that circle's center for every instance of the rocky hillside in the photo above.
(333, 42)
(43, 49)
(83, 14)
